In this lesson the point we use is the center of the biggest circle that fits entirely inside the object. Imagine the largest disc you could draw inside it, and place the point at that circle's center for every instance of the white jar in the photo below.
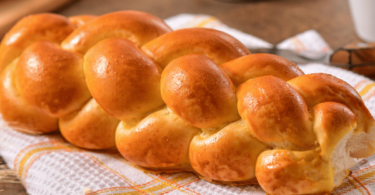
(363, 13)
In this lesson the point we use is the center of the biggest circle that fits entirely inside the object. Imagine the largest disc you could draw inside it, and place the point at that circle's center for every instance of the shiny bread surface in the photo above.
(187, 100)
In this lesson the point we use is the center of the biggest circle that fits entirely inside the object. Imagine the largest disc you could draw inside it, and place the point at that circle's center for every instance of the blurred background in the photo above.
(270, 20)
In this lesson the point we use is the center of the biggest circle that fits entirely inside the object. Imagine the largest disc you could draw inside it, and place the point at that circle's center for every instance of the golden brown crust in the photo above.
(255, 65)
(161, 140)
(275, 112)
(218, 46)
(89, 127)
(313, 114)
(81, 20)
(288, 172)
(30, 29)
(56, 91)
(199, 92)
(129, 79)
(16, 112)
(139, 27)
(320, 87)
(332, 121)
(228, 155)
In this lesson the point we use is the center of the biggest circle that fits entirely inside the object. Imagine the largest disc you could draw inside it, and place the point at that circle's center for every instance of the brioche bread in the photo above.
(186, 100)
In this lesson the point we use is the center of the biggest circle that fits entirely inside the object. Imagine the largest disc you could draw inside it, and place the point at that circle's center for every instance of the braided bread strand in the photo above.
(191, 100)
(15, 110)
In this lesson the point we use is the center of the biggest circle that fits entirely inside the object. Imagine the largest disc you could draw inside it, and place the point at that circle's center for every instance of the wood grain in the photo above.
(271, 20)
(9, 183)
(12, 11)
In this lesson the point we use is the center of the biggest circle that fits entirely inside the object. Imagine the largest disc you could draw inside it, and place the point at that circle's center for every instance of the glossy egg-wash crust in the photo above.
(228, 155)
(89, 127)
(19, 114)
(139, 27)
(129, 79)
(229, 117)
(52, 79)
(81, 20)
(251, 66)
(275, 112)
(290, 172)
(30, 29)
(198, 91)
(218, 46)
(161, 140)
(332, 121)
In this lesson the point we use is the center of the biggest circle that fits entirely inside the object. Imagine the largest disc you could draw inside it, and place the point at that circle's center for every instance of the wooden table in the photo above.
(9, 183)
(272, 20)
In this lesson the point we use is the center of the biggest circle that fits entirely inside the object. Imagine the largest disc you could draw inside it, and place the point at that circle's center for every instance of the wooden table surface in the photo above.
(271, 20)
(9, 183)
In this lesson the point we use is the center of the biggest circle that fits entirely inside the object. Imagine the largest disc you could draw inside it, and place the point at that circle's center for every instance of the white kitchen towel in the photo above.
(308, 44)
(206, 21)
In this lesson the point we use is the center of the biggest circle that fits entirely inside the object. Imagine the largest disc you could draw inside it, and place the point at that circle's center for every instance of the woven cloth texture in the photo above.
(47, 164)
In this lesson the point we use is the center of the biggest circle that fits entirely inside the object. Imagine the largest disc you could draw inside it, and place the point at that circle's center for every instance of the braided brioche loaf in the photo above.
(187, 100)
